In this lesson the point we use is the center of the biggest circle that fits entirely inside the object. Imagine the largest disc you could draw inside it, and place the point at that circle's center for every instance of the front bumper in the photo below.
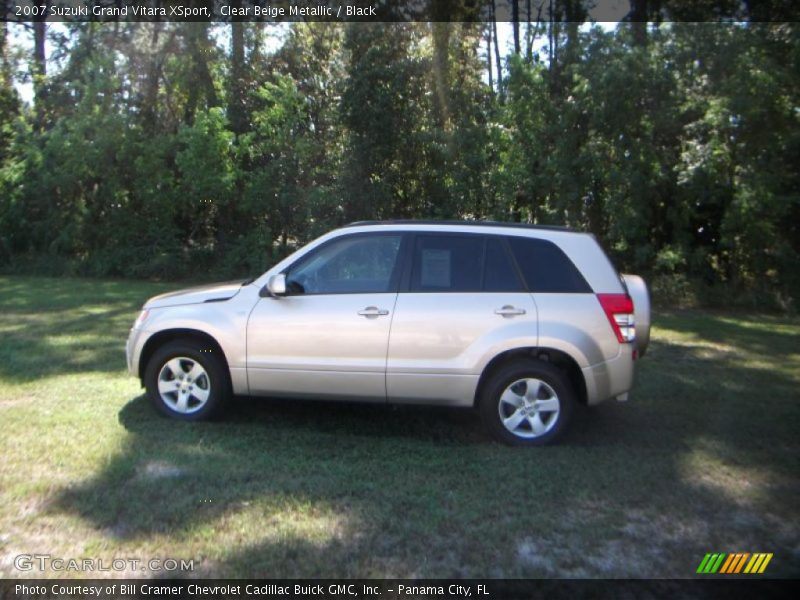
(133, 349)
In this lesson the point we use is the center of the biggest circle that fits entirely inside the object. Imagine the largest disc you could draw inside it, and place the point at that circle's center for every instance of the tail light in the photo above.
(619, 310)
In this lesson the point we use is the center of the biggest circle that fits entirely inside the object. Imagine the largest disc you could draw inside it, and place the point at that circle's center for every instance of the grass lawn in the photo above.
(704, 457)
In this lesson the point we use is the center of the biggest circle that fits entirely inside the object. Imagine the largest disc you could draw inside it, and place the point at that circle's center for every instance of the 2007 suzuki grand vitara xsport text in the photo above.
(523, 322)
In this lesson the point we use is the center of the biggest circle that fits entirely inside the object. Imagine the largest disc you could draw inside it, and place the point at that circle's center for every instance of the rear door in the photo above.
(460, 295)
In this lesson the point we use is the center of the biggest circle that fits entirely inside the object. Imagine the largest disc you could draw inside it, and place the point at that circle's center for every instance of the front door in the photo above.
(328, 336)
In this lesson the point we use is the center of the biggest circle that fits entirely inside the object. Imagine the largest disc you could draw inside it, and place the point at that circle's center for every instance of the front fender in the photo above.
(225, 322)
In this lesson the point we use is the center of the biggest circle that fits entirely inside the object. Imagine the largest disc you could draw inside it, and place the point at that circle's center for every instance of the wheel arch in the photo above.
(553, 356)
(159, 339)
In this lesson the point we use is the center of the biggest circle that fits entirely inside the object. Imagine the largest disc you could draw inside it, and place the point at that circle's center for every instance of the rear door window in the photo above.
(499, 275)
(463, 263)
(447, 263)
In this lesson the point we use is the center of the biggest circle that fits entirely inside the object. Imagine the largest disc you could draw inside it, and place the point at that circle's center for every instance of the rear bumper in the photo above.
(611, 378)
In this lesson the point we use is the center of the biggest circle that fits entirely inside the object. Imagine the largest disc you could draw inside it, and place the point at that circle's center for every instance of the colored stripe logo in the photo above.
(734, 563)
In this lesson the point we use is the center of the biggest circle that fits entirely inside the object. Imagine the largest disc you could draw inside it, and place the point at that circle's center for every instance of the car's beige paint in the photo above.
(427, 348)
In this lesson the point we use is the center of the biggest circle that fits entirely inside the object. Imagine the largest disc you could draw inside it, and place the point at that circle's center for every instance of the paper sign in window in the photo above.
(435, 268)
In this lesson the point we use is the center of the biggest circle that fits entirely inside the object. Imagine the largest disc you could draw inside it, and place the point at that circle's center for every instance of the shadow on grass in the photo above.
(765, 334)
(60, 326)
(290, 488)
(346, 489)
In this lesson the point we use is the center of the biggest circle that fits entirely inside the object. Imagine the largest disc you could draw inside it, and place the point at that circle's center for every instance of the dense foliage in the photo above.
(196, 150)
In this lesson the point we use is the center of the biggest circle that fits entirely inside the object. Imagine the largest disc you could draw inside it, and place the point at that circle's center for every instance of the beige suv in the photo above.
(522, 322)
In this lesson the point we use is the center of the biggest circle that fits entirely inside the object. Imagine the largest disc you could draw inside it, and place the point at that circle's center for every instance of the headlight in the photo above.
(141, 318)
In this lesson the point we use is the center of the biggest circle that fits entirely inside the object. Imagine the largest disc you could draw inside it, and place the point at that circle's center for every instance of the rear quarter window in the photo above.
(545, 267)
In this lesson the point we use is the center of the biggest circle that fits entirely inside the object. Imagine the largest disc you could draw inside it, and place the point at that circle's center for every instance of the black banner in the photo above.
(277, 11)
(390, 589)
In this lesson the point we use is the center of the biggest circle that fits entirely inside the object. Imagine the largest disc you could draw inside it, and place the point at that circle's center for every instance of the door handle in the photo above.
(509, 311)
(373, 311)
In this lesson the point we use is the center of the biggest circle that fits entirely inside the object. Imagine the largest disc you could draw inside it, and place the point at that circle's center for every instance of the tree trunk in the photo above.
(201, 65)
(489, 57)
(5, 69)
(39, 57)
(149, 109)
(236, 105)
(39, 68)
(441, 71)
(515, 21)
(199, 48)
(639, 22)
(556, 32)
(239, 123)
(550, 17)
(498, 64)
(573, 44)
(529, 32)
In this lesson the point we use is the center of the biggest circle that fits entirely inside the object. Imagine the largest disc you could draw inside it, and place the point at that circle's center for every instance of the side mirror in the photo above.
(276, 286)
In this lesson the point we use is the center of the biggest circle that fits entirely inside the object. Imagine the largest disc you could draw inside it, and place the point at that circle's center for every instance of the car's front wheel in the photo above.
(187, 380)
(527, 403)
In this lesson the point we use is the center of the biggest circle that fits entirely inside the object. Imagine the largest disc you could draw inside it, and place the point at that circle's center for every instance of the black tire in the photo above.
(559, 386)
(216, 381)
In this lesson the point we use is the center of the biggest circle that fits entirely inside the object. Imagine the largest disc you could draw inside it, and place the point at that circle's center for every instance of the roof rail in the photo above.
(456, 222)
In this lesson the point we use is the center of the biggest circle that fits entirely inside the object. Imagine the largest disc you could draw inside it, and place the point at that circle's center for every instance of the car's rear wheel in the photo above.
(527, 403)
(187, 380)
